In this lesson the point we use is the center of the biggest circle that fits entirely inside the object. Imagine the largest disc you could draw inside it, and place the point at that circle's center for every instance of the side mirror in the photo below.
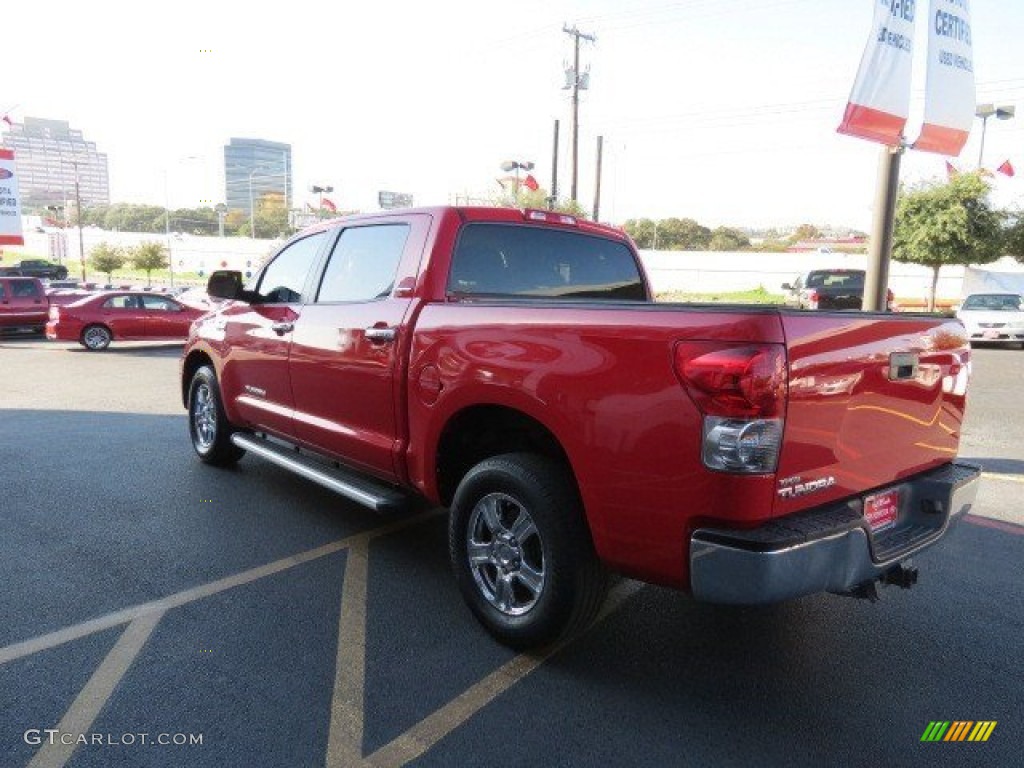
(225, 284)
(787, 287)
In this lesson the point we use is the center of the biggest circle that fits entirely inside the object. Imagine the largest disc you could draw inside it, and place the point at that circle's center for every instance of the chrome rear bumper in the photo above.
(830, 549)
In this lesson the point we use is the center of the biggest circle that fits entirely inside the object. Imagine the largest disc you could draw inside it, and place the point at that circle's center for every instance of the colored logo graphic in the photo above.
(958, 730)
(5, 174)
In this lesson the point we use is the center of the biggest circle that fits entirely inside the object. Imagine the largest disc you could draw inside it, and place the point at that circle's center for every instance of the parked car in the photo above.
(96, 320)
(996, 318)
(830, 289)
(23, 303)
(37, 268)
(514, 367)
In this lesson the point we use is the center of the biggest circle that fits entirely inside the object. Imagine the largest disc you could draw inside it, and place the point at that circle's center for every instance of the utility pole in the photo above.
(876, 280)
(597, 181)
(576, 36)
(554, 172)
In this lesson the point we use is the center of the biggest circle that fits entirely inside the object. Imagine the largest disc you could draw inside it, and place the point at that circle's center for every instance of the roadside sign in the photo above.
(394, 200)
(10, 205)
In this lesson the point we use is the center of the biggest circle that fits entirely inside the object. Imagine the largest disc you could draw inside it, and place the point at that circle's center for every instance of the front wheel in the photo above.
(208, 425)
(521, 551)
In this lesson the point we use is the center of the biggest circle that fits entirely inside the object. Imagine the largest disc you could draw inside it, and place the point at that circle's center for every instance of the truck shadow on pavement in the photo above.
(999, 466)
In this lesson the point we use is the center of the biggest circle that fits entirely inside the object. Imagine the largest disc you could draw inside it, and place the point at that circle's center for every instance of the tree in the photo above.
(533, 198)
(728, 239)
(682, 235)
(107, 259)
(641, 230)
(805, 232)
(1014, 241)
(149, 256)
(940, 223)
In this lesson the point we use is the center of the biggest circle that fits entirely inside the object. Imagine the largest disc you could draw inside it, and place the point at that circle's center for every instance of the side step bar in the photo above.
(369, 492)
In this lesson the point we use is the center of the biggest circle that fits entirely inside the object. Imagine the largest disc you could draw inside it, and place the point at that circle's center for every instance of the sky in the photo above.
(724, 111)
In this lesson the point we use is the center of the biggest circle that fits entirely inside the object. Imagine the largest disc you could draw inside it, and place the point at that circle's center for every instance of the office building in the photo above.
(254, 168)
(49, 154)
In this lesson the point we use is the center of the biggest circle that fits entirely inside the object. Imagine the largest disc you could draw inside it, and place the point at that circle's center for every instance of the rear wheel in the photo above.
(208, 426)
(95, 337)
(521, 551)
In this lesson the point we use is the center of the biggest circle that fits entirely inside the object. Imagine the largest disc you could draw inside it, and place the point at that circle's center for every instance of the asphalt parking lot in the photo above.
(148, 600)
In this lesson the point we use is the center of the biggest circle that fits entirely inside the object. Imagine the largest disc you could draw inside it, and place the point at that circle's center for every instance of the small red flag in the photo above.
(7, 120)
(531, 183)
(325, 203)
(1006, 169)
(951, 170)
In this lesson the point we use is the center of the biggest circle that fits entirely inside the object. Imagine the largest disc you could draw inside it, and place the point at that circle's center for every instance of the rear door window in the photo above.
(510, 260)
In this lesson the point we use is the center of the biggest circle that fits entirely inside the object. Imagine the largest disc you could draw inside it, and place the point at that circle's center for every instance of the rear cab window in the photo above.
(25, 289)
(509, 260)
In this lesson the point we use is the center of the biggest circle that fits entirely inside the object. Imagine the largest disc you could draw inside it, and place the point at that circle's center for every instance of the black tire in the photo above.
(500, 583)
(95, 337)
(208, 427)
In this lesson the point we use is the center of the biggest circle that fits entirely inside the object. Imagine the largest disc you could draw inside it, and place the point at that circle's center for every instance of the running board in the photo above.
(366, 491)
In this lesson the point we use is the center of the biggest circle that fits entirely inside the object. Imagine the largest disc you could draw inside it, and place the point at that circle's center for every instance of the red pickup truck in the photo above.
(513, 367)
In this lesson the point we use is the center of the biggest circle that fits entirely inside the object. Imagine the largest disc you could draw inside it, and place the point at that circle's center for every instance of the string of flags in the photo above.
(1006, 168)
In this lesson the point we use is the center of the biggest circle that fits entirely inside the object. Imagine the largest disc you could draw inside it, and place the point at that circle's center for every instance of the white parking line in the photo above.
(1003, 478)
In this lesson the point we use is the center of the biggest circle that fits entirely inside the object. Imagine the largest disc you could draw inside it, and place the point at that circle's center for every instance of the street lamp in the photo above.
(517, 165)
(252, 206)
(985, 111)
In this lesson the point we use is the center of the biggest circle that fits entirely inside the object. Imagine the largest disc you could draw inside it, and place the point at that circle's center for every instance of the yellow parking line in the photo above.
(126, 615)
(345, 737)
(425, 734)
(92, 698)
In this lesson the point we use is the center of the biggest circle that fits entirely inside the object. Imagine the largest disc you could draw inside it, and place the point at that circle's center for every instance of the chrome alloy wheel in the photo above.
(204, 417)
(505, 553)
(96, 337)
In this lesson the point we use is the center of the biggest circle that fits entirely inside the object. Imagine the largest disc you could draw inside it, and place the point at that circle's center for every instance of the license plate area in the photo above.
(881, 510)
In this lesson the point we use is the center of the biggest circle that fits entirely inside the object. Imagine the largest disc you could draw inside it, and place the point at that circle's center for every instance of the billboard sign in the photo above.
(394, 200)
(10, 205)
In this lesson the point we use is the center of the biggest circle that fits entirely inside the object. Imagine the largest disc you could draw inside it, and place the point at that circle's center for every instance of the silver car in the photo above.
(996, 318)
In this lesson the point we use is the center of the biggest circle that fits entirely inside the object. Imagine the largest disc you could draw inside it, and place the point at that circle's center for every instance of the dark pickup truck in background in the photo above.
(35, 268)
(829, 289)
(514, 367)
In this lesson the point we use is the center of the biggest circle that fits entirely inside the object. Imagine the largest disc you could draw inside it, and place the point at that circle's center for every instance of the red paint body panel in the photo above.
(848, 420)
(600, 377)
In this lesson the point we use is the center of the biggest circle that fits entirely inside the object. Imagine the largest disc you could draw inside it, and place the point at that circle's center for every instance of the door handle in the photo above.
(380, 335)
(282, 328)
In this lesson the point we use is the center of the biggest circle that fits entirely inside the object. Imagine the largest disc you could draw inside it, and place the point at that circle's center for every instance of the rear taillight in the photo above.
(812, 299)
(741, 391)
(55, 313)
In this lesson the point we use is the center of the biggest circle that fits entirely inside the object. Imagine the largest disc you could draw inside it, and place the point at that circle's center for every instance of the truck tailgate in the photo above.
(872, 399)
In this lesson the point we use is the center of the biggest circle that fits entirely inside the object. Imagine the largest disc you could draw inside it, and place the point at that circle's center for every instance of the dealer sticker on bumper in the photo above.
(882, 509)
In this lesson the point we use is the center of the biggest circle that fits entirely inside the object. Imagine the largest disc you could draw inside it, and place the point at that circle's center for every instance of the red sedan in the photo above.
(97, 320)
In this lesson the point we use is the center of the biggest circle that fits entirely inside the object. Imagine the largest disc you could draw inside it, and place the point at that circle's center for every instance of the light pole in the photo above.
(252, 206)
(985, 111)
(517, 165)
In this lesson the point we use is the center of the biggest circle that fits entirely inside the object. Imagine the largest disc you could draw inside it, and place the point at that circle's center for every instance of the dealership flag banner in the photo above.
(10, 208)
(949, 100)
(880, 100)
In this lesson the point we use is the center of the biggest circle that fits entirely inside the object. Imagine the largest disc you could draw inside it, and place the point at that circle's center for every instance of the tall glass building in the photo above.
(254, 168)
(49, 155)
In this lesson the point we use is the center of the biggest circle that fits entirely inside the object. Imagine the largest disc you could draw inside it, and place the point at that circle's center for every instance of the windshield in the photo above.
(995, 302)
